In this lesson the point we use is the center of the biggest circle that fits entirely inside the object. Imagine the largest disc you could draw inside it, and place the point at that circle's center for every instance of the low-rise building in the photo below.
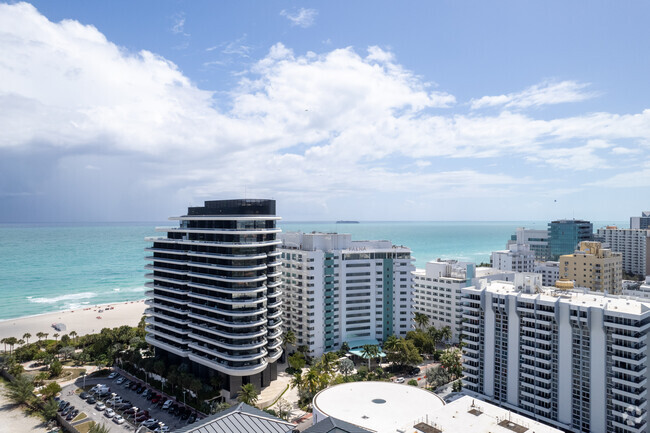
(550, 272)
(594, 267)
(536, 239)
(518, 258)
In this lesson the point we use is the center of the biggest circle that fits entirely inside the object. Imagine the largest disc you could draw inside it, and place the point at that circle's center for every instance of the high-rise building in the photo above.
(594, 267)
(642, 222)
(565, 235)
(537, 240)
(214, 295)
(517, 258)
(437, 293)
(575, 360)
(634, 244)
(338, 290)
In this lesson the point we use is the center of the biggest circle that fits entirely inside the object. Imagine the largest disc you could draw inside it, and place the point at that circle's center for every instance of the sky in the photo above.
(365, 110)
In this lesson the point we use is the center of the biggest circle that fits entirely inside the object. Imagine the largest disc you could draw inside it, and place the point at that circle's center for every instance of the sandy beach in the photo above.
(82, 321)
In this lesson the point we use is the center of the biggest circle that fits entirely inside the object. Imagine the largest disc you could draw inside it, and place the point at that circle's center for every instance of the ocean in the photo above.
(52, 267)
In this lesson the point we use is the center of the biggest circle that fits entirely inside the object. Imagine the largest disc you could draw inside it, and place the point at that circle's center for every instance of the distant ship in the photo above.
(347, 222)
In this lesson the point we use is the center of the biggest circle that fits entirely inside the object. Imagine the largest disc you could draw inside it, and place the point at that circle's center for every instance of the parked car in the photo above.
(150, 422)
(131, 410)
(186, 414)
(109, 413)
(72, 415)
(113, 375)
(84, 395)
(167, 404)
(63, 404)
(399, 380)
(161, 401)
(124, 406)
(120, 380)
(155, 399)
(91, 400)
(141, 390)
(66, 411)
(134, 386)
(192, 418)
(117, 419)
(127, 384)
(100, 406)
(141, 418)
(162, 429)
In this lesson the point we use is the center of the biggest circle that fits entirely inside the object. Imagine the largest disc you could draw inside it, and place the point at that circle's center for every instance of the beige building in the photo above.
(594, 267)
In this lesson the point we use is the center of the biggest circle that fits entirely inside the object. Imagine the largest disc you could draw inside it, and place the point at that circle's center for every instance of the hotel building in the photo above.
(214, 299)
(517, 258)
(565, 235)
(634, 244)
(337, 290)
(575, 360)
(593, 267)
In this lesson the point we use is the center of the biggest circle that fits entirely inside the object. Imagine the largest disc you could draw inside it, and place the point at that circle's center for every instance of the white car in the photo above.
(117, 419)
(113, 375)
(109, 413)
(150, 422)
(167, 404)
(399, 380)
(163, 429)
(100, 406)
(120, 380)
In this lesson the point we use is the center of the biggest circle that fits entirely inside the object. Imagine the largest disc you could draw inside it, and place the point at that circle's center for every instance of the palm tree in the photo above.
(11, 341)
(297, 381)
(99, 428)
(288, 338)
(248, 394)
(73, 335)
(56, 337)
(312, 381)
(40, 335)
(445, 333)
(4, 341)
(422, 320)
(327, 363)
(369, 351)
(27, 336)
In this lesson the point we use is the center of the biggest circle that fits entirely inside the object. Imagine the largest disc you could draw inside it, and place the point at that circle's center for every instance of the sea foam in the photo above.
(62, 298)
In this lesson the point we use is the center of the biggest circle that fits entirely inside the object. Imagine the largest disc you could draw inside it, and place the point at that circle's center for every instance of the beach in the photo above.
(82, 321)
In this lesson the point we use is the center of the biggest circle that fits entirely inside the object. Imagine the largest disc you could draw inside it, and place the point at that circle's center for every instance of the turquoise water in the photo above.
(51, 267)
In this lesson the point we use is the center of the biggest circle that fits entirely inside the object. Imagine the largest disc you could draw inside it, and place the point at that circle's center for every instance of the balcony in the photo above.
(153, 313)
(152, 303)
(225, 334)
(225, 367)
(228, 301)
(165, 260)
(251, 357)
(227, 345)
(160, 324)
(630, 383)
(166, 289)
(165, 346)
(226, 256)
(159, 297)
(231, 313)
(254, 244)
(227, 279)
(164, 269)
(257, 289)
(274, 315)
(227, 323)
(181, 341)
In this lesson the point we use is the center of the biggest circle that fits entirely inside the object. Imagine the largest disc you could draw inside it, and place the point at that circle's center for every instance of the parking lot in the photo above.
(119, 386)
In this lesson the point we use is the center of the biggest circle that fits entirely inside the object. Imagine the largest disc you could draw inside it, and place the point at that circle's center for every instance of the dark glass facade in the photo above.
(214, 298)
(565, 235)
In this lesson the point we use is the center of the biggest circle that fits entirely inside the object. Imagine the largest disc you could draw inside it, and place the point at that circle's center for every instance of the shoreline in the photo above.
(85, 307)
(87, 320)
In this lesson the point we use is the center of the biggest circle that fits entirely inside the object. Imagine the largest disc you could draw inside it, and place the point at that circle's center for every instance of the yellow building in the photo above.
(594, 267)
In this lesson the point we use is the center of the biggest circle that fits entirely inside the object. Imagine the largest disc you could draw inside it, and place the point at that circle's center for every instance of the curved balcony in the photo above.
(227, 279)
(255, 244)
(273, 253)
(275, 304)
(273, 264)
(153, 313)
(225, 334)
(230, 346)
(168, 299)
(164, 269)
(226, 267)
(221, 231)
(181, 341)
(273, 324)
(274, 274)
(274, 294)
(163, 260)
(226, 218)
(274, 355)
(226, 323)
(227, 256)
(166, 346)
(158, 323)
(197, 346)
(275, 345)
(151, 285)
(164, 251)
(274, 315)
(165, 279)
(224, 367)
(232, 313)
(228, 301)
(273, 284)
(275, 334)
(227, 289)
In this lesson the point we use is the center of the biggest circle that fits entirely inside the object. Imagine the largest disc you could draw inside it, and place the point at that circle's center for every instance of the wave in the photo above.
(70, 297)
(130, 289)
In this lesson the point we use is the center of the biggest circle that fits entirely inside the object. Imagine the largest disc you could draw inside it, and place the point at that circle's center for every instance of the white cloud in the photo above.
(620, 150)
(178, 28)
(545, 93)
(305, 127)
(302, 18)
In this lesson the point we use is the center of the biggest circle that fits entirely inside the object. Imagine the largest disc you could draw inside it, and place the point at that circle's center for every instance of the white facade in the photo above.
(537, 240)
(337, 290)
(576, 360)
(633, 244)
(518, 258)
(437, 293)
(550, 272)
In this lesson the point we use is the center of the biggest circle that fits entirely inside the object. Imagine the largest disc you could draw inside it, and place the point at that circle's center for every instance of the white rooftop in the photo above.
(583, 298)
(469, 415)
(383, 407)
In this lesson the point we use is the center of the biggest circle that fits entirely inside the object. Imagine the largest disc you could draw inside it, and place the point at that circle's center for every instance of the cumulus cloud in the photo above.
(545, 93)
(86, 118)
(302, 17)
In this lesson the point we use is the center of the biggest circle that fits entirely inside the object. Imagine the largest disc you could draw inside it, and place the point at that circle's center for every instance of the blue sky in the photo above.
(125, 111)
